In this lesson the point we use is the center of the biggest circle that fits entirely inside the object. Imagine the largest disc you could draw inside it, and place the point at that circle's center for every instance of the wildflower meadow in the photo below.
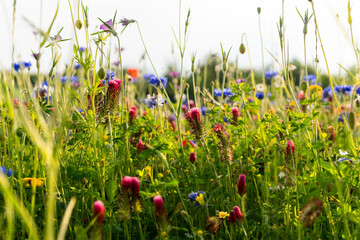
(206, 151)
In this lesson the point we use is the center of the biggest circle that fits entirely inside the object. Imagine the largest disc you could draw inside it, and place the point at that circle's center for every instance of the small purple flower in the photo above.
(240, 80)
(106, 28)
(126, 21)
(56, 38)
(82, 49)
(36, 56)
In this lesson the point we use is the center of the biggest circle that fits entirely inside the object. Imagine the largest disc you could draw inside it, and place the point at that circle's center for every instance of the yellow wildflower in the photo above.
(223, 215)
(37, 181)
(200, 199)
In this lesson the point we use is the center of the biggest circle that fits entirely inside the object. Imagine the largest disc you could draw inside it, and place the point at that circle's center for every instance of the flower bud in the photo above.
(78, 24)
(192, 157)
(242, 48)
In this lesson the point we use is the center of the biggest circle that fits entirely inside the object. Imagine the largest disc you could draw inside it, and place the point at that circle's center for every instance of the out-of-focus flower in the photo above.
(160, 211)
(212, 224)
(240, 80)
(270, 75)
(227, 92)
(77, 66)
(259, 87)
(192, 157)
(56, 38)
(217, 92)
(311, 212)
(34, 181)
(140, 146)
(110, 75)
(346, 89)
(22, 65)
(343, 153)
(6, 172)
(173, 74)
(148, 76)
(203, 110)
(156, 82)
(191, 104)
(99, 210)
(259, 95)
(290, 148)
(133, 73)
(241, 186)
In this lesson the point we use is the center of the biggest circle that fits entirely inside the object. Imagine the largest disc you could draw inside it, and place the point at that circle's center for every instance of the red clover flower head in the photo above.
(194, 119)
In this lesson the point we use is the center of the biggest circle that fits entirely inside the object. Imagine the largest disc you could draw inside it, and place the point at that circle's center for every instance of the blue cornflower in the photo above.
(82, 49)
(259, 95)
(203, 110)
(63, 79)
(148, 76)
(156, 82)
(225, 119)
(311, 77)
(357, 91)
(197, 197)
(327, 92)
(16, 67)
(227, 92)
(217, 92)
(74, 79)
(7, 172)
(110, 75)
(27, 64)
(270, 75)
(346, 89)
(20, 65)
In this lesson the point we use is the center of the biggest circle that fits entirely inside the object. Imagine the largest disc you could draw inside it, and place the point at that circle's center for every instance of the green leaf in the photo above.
(110, 188)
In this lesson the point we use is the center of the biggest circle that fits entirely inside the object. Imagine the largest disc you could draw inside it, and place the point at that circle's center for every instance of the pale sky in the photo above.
(211, 22)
